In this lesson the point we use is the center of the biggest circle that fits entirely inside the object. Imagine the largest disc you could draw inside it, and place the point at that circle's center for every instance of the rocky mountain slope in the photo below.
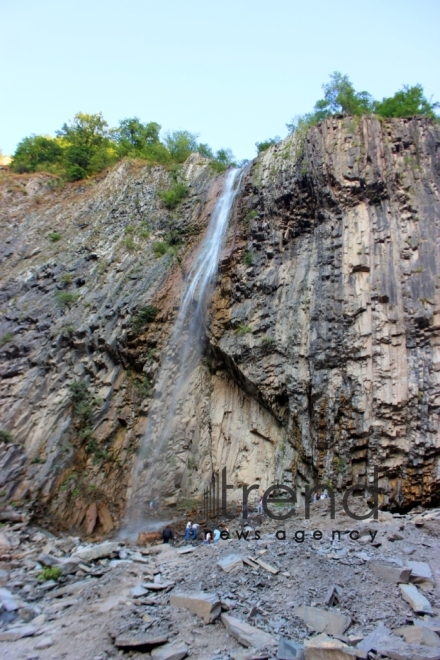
(322, 354)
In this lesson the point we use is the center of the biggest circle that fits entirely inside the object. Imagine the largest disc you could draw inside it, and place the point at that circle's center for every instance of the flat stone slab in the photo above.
(432, 624)
(267, 567)
(19, 632)
(7, 600)
(288, 650)
(138, 591)
(418, 635)
(93, 552)
(420, 572)
(230, 563)
(129, 641)
(73, 588)
(323, 647)
(247, 635)
(157, 586)
(323, 620)
(418, 602)
(173, 651)
(371, 641)
(392, 574)
(205, 605)
(395, 648)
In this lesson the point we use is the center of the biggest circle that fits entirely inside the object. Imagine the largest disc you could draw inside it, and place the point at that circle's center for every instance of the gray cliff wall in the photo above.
(322, 357)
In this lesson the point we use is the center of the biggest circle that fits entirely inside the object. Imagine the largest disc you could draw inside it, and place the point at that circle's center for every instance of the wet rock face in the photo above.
(322, 353)
(78, 268)
(327, 310)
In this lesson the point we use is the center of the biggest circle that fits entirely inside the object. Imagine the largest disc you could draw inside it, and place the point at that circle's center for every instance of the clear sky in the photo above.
(234, 71)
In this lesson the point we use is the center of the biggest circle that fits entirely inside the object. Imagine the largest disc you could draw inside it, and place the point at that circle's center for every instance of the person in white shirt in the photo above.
(187, 531)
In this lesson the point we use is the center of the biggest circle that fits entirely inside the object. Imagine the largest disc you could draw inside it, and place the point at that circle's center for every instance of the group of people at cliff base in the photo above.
(192, 532)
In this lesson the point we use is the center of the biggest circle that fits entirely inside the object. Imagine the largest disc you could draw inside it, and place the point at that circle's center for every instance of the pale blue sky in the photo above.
(234, 71)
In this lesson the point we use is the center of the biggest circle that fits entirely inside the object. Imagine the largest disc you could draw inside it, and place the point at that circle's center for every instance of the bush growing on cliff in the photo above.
(6, 437)
(66, 298)
(145, 315)
(6, 338)
(173, 196)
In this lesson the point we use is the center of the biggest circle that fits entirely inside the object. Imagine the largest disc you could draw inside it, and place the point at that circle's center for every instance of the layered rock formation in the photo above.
(322, 353)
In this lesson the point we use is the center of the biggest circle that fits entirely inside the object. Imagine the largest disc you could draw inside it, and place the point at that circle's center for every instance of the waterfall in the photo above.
(182, 355)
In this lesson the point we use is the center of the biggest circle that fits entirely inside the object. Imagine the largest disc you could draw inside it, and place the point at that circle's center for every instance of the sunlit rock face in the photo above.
(321, 359)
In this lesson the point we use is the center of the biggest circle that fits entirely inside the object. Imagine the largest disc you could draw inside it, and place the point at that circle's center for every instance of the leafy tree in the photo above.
(205, 150)
(87, 141)
(224, 158)
(180, 145)
(407, 102)
(85, 130)
(341, 97)
(36, 153)
(133, 137)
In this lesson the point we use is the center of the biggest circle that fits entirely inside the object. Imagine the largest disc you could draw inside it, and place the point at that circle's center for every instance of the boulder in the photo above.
(230, 563)
(418, 602)
(173, 651)
(205, 605)
(246, 634)
(91, 516)
(323, 620)
(145, 538)
(323, 647)
(288, 650)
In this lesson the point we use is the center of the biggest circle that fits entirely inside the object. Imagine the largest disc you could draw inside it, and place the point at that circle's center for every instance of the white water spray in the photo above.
(181, 357)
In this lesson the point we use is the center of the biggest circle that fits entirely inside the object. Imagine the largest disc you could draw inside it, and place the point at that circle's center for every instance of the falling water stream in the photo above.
(182, 356)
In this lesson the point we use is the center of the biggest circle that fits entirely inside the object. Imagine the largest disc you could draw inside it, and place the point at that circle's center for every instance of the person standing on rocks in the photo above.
(187, 531)
(194, 531)
(167, 534)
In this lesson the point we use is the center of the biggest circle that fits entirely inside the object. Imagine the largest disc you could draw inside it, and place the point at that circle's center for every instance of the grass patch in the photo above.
(130, 244)
(66, 298)
(267, 340)
(173, 196)
(50, 573)
(54, 236)
(248, 259)
(6, 338)
(6, 437)
(160, 248)
(243, 329)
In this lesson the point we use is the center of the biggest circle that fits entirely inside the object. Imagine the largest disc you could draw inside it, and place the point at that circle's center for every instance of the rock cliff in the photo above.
(322, 355)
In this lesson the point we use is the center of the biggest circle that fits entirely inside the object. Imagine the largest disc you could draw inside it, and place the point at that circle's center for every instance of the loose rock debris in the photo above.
(375, 596)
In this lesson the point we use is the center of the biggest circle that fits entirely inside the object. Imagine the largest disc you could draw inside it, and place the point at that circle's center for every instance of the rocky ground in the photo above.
(369, 595)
